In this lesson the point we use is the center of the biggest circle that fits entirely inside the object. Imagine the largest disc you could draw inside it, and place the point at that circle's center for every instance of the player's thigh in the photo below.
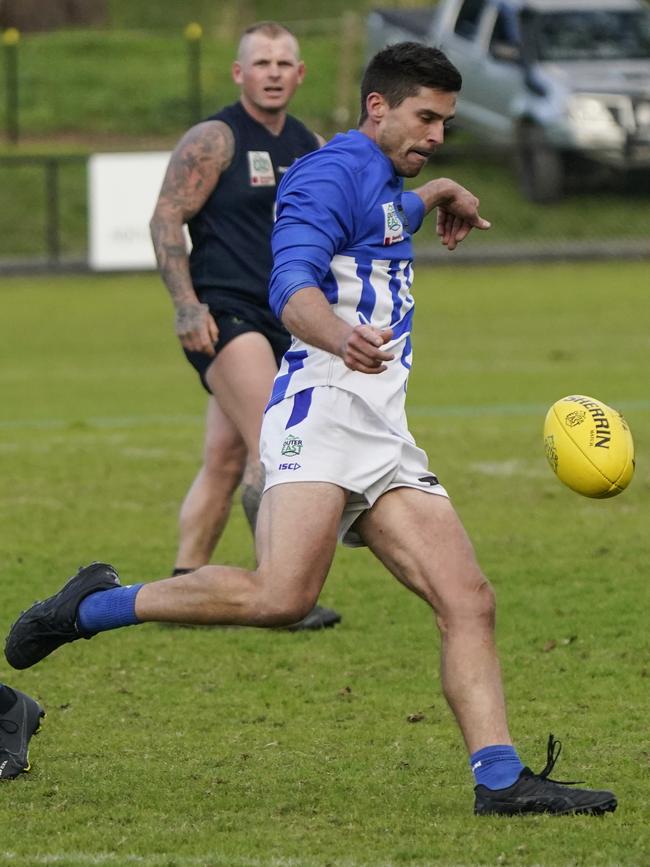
(421, 540)
(224, 449)
(241, 378)
(296, 536)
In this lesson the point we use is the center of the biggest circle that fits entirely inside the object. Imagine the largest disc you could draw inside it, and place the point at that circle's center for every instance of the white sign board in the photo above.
(122, 191)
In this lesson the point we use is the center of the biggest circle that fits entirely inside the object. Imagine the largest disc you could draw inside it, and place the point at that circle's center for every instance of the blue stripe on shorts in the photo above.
(301, 404)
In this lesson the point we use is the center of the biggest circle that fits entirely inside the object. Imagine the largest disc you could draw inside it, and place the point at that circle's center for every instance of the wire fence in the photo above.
(52, 233)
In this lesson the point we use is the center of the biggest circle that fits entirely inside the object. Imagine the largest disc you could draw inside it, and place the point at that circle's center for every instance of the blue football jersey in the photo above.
(345, 225)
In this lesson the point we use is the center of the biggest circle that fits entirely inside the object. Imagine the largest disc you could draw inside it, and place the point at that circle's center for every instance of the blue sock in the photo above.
(496, 767)
(108, 609)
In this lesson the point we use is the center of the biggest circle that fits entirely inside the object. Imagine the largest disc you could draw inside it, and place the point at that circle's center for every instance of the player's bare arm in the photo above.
(457, 210)
(308, 315)
(196, 164)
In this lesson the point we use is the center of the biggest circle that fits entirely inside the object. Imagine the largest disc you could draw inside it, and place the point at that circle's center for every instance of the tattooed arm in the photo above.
(200, 157)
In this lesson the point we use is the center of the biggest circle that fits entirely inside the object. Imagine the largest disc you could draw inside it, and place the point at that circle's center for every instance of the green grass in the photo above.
(97, 85)
(175, 14)
(236, 747)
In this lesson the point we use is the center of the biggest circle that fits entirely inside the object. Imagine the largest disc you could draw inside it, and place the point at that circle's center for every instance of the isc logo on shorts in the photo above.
(293, 466)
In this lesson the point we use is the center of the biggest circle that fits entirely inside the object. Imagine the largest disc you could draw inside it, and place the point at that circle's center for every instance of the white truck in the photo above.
(556, 81)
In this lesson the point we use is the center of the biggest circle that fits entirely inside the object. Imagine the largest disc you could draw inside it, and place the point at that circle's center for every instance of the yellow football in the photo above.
(589, 446)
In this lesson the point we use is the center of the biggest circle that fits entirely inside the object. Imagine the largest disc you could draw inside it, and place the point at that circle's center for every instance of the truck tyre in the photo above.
(541, 168)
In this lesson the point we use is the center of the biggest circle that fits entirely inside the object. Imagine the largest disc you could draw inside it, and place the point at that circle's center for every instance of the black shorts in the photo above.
(234, 316)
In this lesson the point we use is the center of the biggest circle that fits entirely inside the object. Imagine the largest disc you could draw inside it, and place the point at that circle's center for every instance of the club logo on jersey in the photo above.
(292, 446)
(393, 226)
(260, 169)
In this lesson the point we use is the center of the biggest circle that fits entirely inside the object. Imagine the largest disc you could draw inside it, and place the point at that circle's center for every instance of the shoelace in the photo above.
(553, 750)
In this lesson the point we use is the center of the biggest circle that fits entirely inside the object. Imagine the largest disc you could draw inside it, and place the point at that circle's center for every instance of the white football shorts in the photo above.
(325, 434)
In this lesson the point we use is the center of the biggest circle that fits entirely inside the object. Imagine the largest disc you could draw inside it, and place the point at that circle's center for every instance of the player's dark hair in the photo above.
(399, 71)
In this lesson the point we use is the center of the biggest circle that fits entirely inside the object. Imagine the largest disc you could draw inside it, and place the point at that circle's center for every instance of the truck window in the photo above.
(593, 35)
(505, 42)
(468, 18)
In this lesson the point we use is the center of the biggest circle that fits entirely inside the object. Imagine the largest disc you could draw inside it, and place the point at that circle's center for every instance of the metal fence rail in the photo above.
(44, 205)
(47, 223)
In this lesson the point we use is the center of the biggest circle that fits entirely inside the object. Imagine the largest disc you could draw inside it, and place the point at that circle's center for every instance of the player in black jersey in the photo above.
(221, 181)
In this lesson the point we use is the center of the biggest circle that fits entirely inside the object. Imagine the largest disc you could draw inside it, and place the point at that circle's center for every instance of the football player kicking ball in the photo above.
(339, 459)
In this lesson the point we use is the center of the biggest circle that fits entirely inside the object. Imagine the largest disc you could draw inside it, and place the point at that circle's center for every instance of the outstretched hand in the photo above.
(458, 216)
(360, 350)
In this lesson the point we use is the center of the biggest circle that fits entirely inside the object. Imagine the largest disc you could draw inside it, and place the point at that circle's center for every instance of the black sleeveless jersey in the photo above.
(231, 234)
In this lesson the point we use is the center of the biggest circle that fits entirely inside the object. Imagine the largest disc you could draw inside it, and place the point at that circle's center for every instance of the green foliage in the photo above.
(105, 84)
(150, 14)
(98, 85)
(238, 747)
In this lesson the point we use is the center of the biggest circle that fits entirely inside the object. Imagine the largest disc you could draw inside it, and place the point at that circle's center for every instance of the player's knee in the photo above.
(258, 602)
(286, 612)
(472, 604)
(274, 609)
(224, 469)
(280, 614)
(484, 602)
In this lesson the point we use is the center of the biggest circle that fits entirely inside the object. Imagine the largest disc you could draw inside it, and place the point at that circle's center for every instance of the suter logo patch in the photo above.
(260, 169)
(393, 226)
(292, 446)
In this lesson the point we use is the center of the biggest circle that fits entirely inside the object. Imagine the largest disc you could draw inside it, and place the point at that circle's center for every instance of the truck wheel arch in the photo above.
(541, 168)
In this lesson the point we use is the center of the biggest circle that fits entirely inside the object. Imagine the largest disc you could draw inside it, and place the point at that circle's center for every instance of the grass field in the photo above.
(239, 747)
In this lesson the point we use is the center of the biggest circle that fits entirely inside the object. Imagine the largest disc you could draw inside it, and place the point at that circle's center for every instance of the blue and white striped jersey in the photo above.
(344, 224)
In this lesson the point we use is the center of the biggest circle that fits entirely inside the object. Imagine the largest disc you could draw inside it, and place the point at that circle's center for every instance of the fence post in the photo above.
(193, 36)
(348, 65)
(10, 40)
(246, 14)
(52, 234)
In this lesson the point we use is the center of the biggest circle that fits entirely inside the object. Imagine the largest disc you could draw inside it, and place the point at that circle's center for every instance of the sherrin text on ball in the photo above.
(589, 446)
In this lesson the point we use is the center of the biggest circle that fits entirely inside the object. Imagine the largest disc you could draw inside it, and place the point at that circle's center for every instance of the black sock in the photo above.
(7, 698)
(181, 571)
